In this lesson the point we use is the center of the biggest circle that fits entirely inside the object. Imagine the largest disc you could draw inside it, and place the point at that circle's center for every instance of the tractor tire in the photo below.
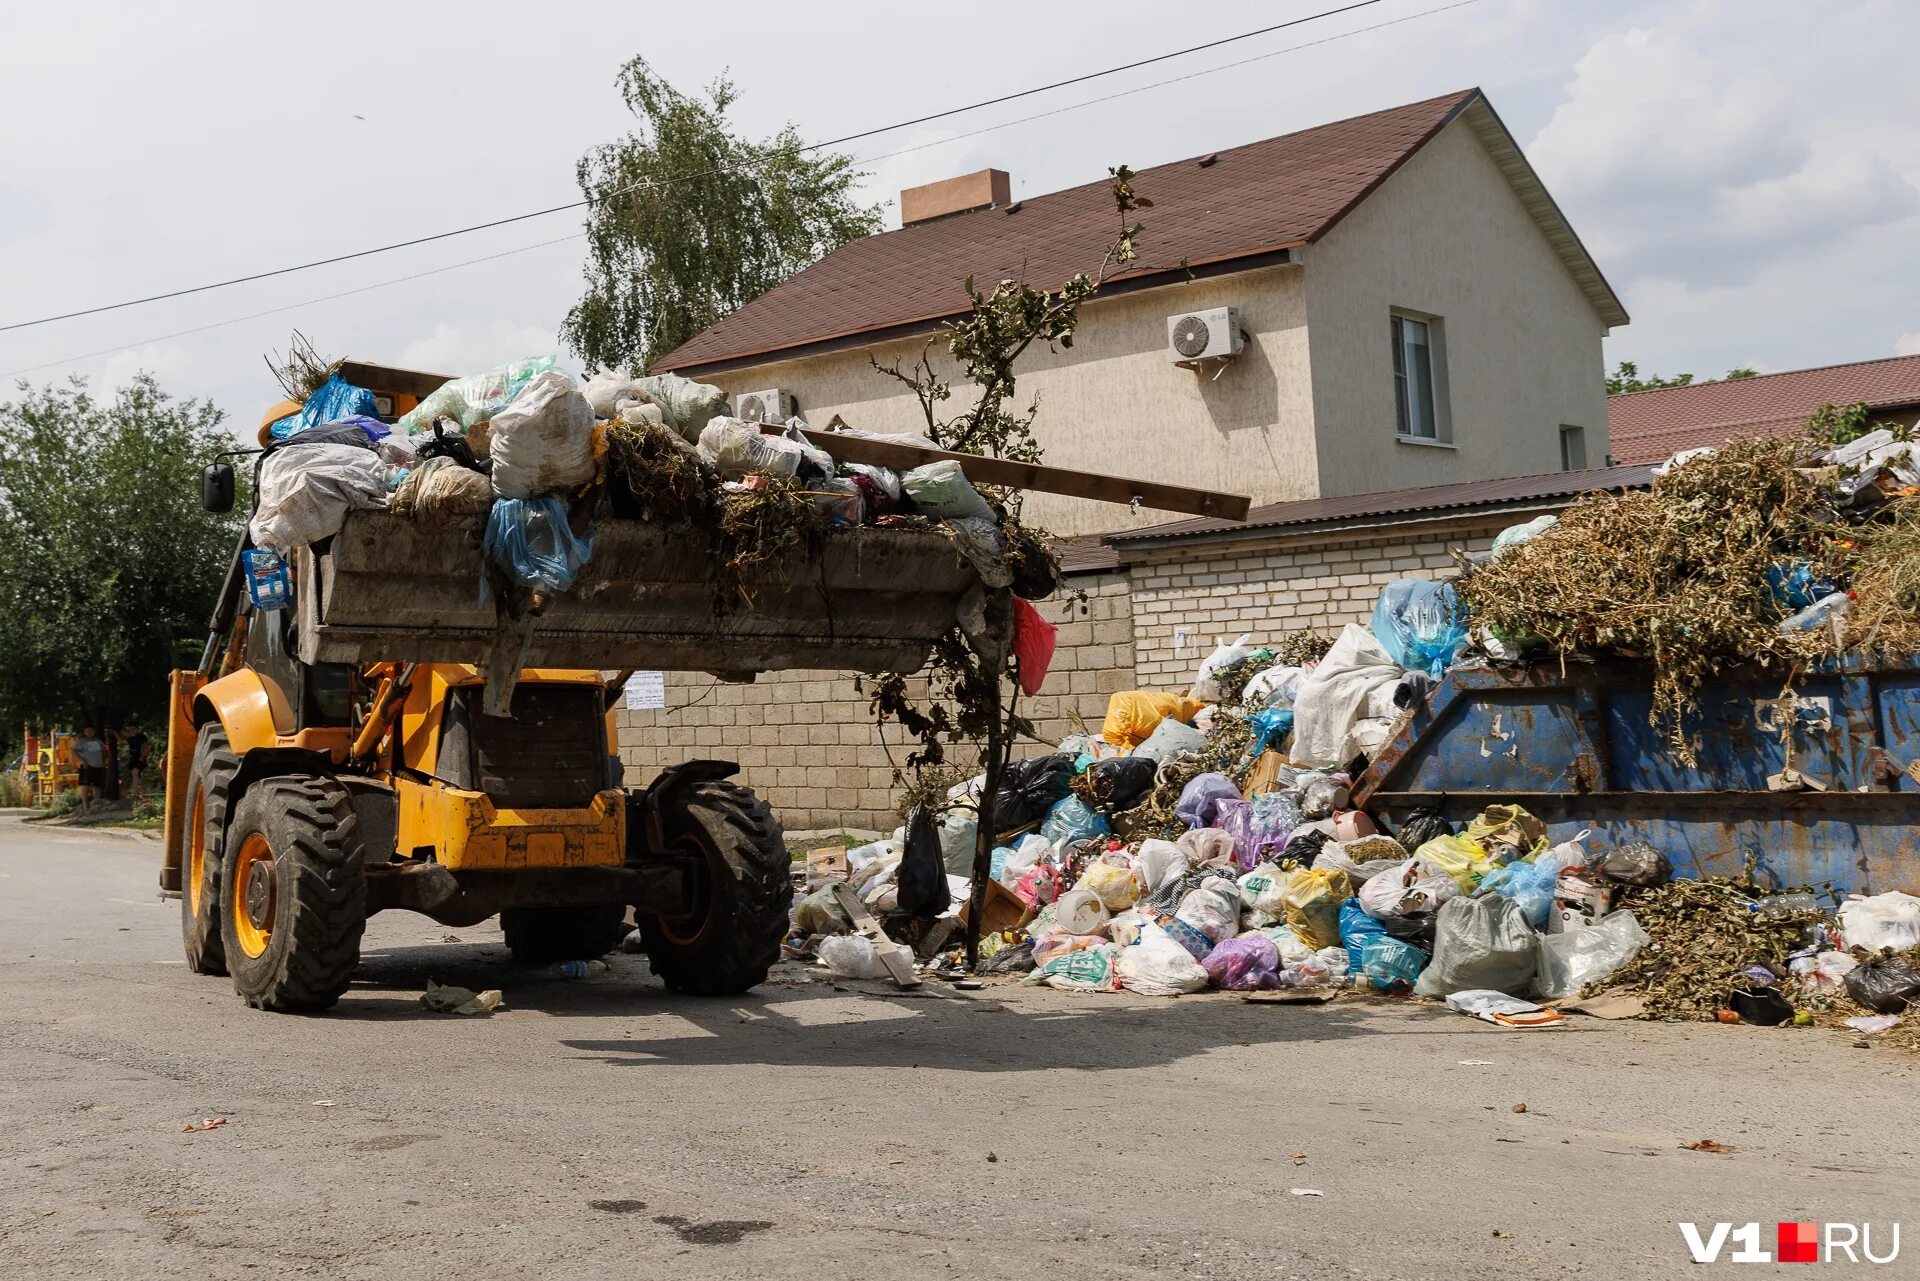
(742, 895)
(209, 787)
(544, 935)
(293, 894)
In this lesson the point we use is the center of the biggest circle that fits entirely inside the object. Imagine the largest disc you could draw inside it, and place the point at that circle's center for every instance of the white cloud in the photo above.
(117, 370)
(1907, 345)
(471, 348)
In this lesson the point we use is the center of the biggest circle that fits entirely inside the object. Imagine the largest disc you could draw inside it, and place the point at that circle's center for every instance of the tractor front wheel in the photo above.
(738, 860)
(293, 894)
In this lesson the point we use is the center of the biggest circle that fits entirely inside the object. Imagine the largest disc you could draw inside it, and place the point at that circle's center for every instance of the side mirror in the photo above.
(216, 487)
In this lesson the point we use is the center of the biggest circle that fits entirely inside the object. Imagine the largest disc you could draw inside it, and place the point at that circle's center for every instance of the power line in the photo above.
(579, 204)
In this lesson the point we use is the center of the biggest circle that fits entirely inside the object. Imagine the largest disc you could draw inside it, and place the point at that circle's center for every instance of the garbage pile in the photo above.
(543, 456)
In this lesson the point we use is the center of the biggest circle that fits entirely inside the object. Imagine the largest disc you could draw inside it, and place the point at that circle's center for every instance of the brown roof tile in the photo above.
(1649, 426)
(1270, 195)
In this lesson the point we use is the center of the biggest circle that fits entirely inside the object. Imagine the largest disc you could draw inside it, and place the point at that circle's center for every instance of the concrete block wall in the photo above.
(1185, 598)
(807, 742)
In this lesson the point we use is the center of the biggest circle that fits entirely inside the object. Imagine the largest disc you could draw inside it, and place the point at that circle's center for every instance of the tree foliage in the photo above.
(1627, 378)
(688, 221)
(108, 566)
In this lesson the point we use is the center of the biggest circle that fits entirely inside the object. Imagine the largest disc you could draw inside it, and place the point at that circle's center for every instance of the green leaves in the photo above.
(108, 567)
(689, 221)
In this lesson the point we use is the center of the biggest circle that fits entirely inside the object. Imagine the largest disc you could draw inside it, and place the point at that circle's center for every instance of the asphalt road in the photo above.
(607, 1128)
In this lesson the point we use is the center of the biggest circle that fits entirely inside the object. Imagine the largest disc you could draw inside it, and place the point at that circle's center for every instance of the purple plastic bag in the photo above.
(1247, 963)
(1200, 799)
(1259, 827)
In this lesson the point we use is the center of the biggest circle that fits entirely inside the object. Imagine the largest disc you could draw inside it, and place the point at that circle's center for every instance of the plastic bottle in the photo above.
(579, 969)
(1831, 606)
(1783, 904)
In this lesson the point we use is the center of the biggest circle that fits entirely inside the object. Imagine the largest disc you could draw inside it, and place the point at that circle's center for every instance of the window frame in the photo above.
(1573, 431)
(1404, 378)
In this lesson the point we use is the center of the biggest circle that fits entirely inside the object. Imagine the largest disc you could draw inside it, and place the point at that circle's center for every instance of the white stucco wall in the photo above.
(1446, 235)
(1114, 403)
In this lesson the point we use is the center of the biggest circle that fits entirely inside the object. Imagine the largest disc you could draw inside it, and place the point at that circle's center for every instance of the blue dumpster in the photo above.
(1574, 746)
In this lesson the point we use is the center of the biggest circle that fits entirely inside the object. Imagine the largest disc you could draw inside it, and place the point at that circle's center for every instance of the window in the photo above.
(1417, 379)
(1573, 448)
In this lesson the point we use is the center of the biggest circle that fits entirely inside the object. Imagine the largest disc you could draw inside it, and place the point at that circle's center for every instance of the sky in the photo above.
(1746, 172)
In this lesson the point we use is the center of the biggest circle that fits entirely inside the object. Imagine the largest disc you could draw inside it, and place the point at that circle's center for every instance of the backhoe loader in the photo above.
(334, 757)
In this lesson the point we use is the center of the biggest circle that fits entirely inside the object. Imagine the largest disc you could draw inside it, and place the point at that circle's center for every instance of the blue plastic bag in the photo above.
(1200, 799)
(269, 585)
(1528, 886)
(1422, 625)
(1270, 726)
(1357, 929)
(330, 402)
(1794, 585)
(1392, 964)
(1071, 821)
(530, 539)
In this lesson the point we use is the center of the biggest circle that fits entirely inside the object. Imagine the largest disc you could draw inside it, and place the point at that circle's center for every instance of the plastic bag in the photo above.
(1574, 959)
(923, 875)
(1159, 966)
(1170, 738)
(737, 449)
(1361, 860)
(1084, 969)
(1312, 901)
(475, 398)
(306, 493)
(1038, 885)
(1134, 714)
(1890, 920)
(1357, 929)
(1390, 964)
(1823, 974)
(1885, 984)
(441, 491)
(1336, 696)
(1032, 851)
(959, 833)
(685, 405)
(1206, 682)
(1213, 908)
(1207, 846)
(531, 540)
(1423, 825)
(1122, 783)
(1481, 943)
(1198, 945)
(1160, 865)
(1459, 857)
(1033, 644)
(1510, 826)
(1263, 897)
(1421, 624)
(1029, 789)
(1292, 951)
(820, 913)
(1071, 821)
(331, 401)
(1116, 887)
(1636, 863)
(1321, 795)
(1248, 963)
(942, 490)
(1200, 799)
(1530, 886)
(1414, 888)
(1273, 687)
(542, 442)
(1514, 535)
(1271, 725)
(855, 956)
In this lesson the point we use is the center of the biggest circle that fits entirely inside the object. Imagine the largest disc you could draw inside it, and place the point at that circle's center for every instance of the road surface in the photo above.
(608, 1128)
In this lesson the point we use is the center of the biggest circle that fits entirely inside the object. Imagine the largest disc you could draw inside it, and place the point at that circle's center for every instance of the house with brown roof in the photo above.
(1379, 303)
(1650, 426)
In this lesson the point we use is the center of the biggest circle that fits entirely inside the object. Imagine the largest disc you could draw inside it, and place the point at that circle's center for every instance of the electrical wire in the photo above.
(579, 204)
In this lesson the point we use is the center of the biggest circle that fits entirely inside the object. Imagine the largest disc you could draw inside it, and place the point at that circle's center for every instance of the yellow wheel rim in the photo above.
(252, 895)
(196, 848)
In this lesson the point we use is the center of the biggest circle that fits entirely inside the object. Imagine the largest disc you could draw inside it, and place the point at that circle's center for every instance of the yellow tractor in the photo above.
(335, 757)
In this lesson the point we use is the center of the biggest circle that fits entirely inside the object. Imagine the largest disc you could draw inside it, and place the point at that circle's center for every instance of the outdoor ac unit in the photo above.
(1204, 335)
(775, 406)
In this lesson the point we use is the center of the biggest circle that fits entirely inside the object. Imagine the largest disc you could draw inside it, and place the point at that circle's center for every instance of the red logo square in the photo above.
(1798, 1243)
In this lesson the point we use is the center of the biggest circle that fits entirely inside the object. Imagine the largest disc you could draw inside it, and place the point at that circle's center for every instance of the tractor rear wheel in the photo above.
(293, 894)
(741, 893)
(543, 935)
(209, 783)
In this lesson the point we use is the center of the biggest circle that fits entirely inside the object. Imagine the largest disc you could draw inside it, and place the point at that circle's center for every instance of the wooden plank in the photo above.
(1034, 477)
(885, 948)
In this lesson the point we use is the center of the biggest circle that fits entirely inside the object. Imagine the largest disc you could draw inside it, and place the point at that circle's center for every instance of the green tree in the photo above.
(1627, 378)
(689, 221)
(108, 566)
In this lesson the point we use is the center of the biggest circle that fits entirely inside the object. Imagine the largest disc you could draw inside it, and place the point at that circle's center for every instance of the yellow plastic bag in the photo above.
(1133, 715)
(1462, 858)
(1312, 902)
(1117, 888)
(1509, 825)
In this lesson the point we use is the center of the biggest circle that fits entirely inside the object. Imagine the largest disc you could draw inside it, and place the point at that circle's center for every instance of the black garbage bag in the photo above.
(1887, 984)
(1014, 959)
(1636, 863)
(1304, 847)
(922, 878)
(1122, 783)
(1423, 825)
(1412, 927)
(1028, 789)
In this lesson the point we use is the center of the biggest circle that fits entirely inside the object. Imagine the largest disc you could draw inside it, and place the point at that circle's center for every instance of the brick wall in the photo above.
(1185, 598)
(807, 743)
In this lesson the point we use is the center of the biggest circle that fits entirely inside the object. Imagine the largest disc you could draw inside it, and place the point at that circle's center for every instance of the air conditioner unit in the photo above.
(1204, 335)
(774, 406)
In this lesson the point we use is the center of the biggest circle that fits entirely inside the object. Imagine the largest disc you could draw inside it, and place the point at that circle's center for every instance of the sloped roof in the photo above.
(1650, 426)
(1260, 199)
(1356, 509)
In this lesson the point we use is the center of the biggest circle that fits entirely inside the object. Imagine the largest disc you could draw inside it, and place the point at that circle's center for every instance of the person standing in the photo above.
(138, 749)
(91, 752)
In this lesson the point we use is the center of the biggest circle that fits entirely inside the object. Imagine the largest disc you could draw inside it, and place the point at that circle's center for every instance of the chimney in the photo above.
(983, 190)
